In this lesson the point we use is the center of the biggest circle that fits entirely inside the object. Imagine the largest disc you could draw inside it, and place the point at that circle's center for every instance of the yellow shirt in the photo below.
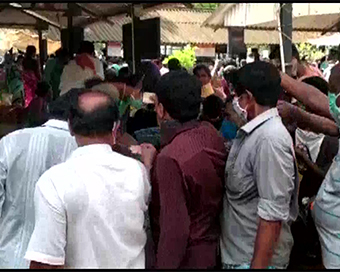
(207, 90)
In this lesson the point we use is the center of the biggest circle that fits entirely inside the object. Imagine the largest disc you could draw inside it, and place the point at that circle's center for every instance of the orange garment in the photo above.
(207, 90)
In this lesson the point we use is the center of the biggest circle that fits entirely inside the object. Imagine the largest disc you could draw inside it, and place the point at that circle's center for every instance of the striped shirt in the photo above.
(24, 156)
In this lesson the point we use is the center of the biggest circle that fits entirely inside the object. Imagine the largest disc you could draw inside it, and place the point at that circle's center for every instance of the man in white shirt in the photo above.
(24, 156)
(90, 209)
(83, 67)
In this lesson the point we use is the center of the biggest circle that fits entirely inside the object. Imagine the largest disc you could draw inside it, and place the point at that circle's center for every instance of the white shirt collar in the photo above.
(58, 124)
(259, 120)
(91, 150)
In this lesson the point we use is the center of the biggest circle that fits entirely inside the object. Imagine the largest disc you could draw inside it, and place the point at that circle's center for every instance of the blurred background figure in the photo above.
(31, 74)
(213, 111)
(54, 69)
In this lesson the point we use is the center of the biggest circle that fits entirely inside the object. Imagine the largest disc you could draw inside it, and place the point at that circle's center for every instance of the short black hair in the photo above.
(200, 67)
(60, 108)
(317, 82)
(43, 89)
(62, 53)
(99, 121)
(174, 64)
(86, 47)
(180, 94)
(110, 75)
(90, 83)
(150, 74)
(212, 106)
(30, 51)
(263, 80)
(276, 53)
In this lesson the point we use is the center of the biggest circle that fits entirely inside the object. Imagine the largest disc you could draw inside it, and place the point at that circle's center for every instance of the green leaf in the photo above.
(186, 57)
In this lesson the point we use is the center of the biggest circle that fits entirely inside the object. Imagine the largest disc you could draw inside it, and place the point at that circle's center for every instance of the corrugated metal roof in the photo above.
(272, 37)
(304, 23)
(262, 16)
(328, 40)
(180, 26)
(12, 17)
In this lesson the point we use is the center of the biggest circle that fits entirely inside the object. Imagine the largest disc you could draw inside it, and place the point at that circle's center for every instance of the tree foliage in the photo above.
(186, 57)
(206, 6)
(309, 52)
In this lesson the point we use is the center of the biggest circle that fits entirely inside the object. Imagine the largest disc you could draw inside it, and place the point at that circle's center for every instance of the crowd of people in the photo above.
(232, 166)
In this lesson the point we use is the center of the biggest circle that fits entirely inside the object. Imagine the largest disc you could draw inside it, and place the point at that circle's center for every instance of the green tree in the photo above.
(186, 57)
(309, 52)
(206, 6)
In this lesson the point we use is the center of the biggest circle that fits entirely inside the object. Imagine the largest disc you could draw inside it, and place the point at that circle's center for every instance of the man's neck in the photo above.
(105, 139)
(260, 109)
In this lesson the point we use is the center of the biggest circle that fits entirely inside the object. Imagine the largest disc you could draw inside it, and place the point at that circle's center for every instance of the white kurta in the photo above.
(90, 211)
(24, 156)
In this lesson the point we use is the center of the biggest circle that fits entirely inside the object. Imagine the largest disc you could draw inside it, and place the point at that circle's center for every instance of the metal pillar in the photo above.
(286, 19)
(70, 30)
(41, 51)
(135, 40)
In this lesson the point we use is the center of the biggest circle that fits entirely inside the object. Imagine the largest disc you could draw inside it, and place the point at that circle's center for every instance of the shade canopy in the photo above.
(307, 17)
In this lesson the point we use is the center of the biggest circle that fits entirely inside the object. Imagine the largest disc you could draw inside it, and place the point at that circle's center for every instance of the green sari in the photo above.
(15, 85)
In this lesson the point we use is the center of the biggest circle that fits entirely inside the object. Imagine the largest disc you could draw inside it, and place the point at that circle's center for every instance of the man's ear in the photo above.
(70, 128)
(250, 97)
(115, 130)
(160, 111)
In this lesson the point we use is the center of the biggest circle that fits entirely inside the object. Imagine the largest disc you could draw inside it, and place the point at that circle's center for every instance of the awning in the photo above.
(327, 40)
(314, 17)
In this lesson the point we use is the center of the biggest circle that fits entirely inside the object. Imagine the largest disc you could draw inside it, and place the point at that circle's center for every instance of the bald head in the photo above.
(93, 113)
(91, 101)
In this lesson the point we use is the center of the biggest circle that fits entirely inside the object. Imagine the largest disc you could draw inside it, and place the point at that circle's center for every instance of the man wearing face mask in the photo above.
(326, 208)
(187, 178)
(260, 198)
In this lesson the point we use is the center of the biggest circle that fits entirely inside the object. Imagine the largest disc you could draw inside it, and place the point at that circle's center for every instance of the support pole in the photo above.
(70, 33)
(286, 19)
(133, 39)
(41, 51)
(70, 29)
(136, 50)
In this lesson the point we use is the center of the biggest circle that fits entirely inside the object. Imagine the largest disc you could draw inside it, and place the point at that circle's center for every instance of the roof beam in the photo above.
(20, 26)
(330, 28)
(37, 8)
(117, 12)
(40, 17)
(105, 19)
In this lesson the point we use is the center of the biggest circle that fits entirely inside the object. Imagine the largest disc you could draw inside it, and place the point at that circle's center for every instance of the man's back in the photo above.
(74, 76)
(198, 155)
(100, 197)
(24, 156)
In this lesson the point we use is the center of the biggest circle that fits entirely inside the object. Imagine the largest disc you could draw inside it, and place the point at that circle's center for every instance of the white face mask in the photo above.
(242, 113)
(114, 131)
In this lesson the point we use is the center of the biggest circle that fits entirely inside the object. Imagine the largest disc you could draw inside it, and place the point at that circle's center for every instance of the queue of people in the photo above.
(166, 169)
